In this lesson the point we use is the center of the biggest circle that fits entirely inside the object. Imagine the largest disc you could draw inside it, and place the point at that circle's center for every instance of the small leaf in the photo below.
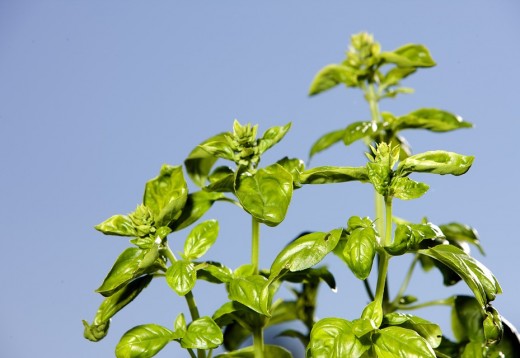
(432, 119)
(120, 225)
(253, 292)
(199, 161)
(435, 162)
(180, 327)
(197, 204)
(166, 195)
(405, 188)
(143, 341)
(509, 345)
(329, 174)
(215, 272)
(431, 332)
(374, 313)
(359, 251)
(125, 269)
(202, 333)
(334, 338)
(410, 55)
(395, 75)
(407, 237)
(330, 76)
(272, 136)
(295, 167)
(459, 233)
(359, 130)
(266, 194)
(396, 342)
(181, 277)
(326, 141)
(200, 239)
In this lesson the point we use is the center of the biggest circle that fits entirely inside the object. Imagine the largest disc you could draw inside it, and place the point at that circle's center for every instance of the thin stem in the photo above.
(384, 257)
(258, 342)
(192, 355)
(406, 281)
(255, 245)
(368, 289)
(445, 301)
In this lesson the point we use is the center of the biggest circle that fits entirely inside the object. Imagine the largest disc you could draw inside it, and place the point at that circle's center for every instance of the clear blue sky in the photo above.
(96, 95)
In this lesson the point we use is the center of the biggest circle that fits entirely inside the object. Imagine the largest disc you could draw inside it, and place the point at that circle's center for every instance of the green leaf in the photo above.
(120, 225)
(329, 174)
(407, 237)
(95, 332)
(326, 141)
(305, 252)
(199, 161)
(219, 146)
(295, 167)
(460, 233)
(480, 280)
(410, 55)
(432, 119)
(215, 272)
(395, 75)
(473, 350)
(435, 162)
(253, 292)
(379, 168)
(200, 239)
(334, 338)
(249, 352)
(359, 251)
(181, 277)
(180, 327)
(397, 342)
(373, 312)
(166, 195)
(125, 269)
(266, 194)
(431, 332)
(272, 136)
(221, 180)
(359, 130)
(202, 333)
(313, 275)
(405, 188)
(143, 341)
(509, 345)
(197, 204)
(330, 76)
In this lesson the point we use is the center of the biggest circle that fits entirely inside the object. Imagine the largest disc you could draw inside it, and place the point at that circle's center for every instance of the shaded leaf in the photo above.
(431, 332)
(215, 272)
(458, 233)
(197, 204)
(329, 174)
(249, 352)
(199, 161)
(407, 237)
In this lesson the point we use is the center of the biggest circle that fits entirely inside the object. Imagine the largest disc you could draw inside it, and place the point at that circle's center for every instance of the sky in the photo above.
(95, 96)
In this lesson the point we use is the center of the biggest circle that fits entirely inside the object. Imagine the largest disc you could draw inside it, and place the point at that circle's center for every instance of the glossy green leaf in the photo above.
(95, 332)
(215, 272)
(330, 76)
(120, 225)
(249, 352)
(253, 292)
(493, 329)
(373, 312)
(125, 269)
(202, 333)
(431, 332)
(397, 342)
(305, 252)
(359, 130)
(200, 239)
(359, 251)
(334, 338)
(166, 195)
(407, 237)
(405, 188)
(395, 75)
(180, 327)
(435, 162)
(379, 168)
(272, 136)
(197, 204)
(480, 280)
(326, 141)
(219, 146)
(509, 345)
(329, 174)
(473, 350)
(221, 180)
(199, 161)
(459, 233)
(143, 341)
(295, 167)
(313, 275)
(432, 119)
(266, 194)
(410, 55)
(181, 277)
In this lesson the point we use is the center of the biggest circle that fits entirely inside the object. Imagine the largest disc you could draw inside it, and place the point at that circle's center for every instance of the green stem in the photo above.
(445, 301)
(255, 245)
(258, 342)
(192, 355)
(406, 281)
(384, 258)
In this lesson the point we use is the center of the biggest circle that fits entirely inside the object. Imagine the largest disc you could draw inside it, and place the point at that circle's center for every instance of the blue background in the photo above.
(96, 95)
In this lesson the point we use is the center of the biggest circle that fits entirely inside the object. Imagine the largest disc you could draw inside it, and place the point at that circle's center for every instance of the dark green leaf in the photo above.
(334, 338)
(405, 188)
(407, 237)
(473, 350)
(266, 194)
(330, 76)
(459, 233)
(197, 205)
(397, 342)
(181, 277)
(295, 167)
(200, 239)
(199, 162)
(253, 292)
(272, 136)
(509, 345)
(202, 333)
(359, 130)
(435, 162)
(326, 141)
(432, 119)
(143, 341)
(329, 174)
(480, 280)
(429, 331)
(166, 195)
(249, 352)
(410, 55)
(120, 225)
(125, 269)
(313, 275)
(305, 252)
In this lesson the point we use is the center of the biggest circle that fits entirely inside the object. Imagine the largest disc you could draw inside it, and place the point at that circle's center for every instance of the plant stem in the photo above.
(258, 342)
(406, 281)
(384, 257)
(255, 245)
(445, 301)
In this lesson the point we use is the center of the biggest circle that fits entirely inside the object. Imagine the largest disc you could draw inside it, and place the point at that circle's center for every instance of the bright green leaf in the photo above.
(221, 180)
(197, 205)
(359, 251)
(410, 55)
(407, 237)
(435, 162)
(199, 162)
(181, 277)
(143, 341)
(249, 352)
(431, 332)
(200, 239)
(215, 272)
(295, 167)
(253, 292)
(398, 342)
(180, 327)
(202, 333)
(120, 225)
(272, 136)
(395, 75)
(334, 338)
(330, 76)
(432, 119)
(405, 188)
(329, 174)
(125, 269)
(359, 130)
(326, 141)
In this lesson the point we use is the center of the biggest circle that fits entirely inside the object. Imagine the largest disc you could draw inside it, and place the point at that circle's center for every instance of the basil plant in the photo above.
(227, 168)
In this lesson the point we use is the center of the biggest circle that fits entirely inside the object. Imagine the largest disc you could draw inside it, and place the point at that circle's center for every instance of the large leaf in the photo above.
(305, 251)
(432, 119)
(166, 195)
(181, 277)
(480, 280)
(431, 332)
(295, 167)
(330, 76)
(125, 269)
(202, 333)
(272, 136)
(329, 174)
(410, 55)
(266, 194)
(435, 162)
(334, 338)
(120, 225)
(199, 161)
(253, 292)
(398, 342)
(200, 239)
(249, 352)
(143, 341)
(326, 141)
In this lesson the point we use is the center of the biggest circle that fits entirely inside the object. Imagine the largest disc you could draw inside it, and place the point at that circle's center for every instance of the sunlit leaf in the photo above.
(253, 292)
(200, 239)
(405, 188)
(435, 162)
(125, 269)
(334, 338)
(359, 130)
(120, 225)
(330, 76)
(143, 341)
(397, 342)
(326, 141)
(432, 119)
(202, 333)
(181, 277)
(329, 174)
(272, 136)
(410, 55)
(431, 332)
(199, 161)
